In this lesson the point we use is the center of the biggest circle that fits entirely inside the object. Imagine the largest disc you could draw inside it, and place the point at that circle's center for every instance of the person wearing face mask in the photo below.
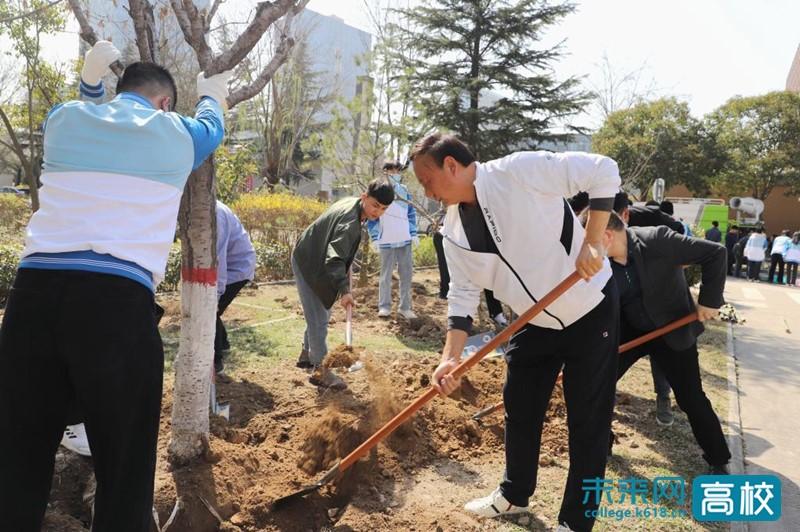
(81, 322)
(321, 263)
(394, 234)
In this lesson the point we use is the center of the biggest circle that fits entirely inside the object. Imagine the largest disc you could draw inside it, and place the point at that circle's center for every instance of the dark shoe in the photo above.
(325, 378)
(219, 366)
(719, 470)
(664, 415)
(303, 362)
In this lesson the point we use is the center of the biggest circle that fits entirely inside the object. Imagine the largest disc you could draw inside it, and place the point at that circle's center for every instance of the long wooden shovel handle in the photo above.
(459, 370)
(627, 346)
(661, 331)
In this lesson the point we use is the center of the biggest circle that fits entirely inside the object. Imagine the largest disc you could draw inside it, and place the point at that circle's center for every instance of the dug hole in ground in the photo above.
(284, 433)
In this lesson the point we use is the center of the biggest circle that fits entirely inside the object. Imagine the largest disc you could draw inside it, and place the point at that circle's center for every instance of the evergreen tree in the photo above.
(479, 70)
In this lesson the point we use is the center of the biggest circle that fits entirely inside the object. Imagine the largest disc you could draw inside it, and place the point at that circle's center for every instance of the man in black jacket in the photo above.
(648, 267)
(651, 216)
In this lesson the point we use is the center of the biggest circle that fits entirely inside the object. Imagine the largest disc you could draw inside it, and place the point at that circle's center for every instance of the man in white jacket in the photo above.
(509, 228)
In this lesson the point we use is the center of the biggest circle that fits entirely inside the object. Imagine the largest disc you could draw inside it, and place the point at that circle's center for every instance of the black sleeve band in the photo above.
(601, 204)
(459, 323)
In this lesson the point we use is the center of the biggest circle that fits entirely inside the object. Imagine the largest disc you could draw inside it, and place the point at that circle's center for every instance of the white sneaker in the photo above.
(75, 440)
(562, 528)
(384, 313)
(493, 505)
(500, 320)
(408, 314)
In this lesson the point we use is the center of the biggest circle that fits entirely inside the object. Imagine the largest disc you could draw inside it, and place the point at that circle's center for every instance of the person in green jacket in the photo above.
(321, 263)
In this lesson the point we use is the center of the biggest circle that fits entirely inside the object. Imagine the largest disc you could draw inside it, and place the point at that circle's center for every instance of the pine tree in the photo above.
(480, 71)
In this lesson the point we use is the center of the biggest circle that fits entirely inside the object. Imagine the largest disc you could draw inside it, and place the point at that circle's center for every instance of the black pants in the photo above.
(89, 338)
(683, 374)
(737, 266)
(587, 350)
(753, 269)
(660, 382)
(221, 337)
(776, 259)
(791, 273)
(444, 274)
(492, 304)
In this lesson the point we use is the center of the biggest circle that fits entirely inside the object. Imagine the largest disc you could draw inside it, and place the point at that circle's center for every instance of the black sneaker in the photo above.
(219, 366)
(664, 415)
(303, 361)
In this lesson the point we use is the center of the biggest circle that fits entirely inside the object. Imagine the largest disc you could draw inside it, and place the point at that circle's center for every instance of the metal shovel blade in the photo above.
(283, 502)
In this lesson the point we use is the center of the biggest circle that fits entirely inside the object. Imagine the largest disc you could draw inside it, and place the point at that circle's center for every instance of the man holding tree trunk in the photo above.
(80, 325)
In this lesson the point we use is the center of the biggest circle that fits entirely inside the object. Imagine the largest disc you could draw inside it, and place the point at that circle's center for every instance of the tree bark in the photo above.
(193, 365)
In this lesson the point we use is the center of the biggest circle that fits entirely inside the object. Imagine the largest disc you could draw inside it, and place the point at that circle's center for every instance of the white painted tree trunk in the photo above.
(193, 365)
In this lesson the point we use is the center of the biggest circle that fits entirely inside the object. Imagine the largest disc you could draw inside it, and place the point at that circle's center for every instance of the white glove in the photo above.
(96, 62)
(373, 244)
(216, 86)
(415, 241)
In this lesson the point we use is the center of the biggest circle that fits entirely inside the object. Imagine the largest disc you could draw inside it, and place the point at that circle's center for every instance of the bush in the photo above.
(172, 275)
(425, 253)
(15, 211)
(9, 260)
(274, 222)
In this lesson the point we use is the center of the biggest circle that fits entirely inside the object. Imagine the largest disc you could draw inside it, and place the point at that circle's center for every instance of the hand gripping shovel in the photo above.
(627, 346)
(408, 411)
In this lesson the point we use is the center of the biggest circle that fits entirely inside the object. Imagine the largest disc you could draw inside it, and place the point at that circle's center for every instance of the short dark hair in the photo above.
(440, 145)
(144, 76)
(382, 191)
(715, 223)
(615, 222)
(621, 202)
(667, 207)
(786, 232)
(734, 226)
(579, 202)
(393, 165)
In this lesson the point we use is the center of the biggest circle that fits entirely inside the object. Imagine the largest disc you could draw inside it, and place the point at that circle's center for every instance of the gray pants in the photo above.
(317, 318)
(404, 259)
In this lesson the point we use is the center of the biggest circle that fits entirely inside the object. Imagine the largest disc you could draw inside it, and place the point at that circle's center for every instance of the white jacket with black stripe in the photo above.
(522, 199)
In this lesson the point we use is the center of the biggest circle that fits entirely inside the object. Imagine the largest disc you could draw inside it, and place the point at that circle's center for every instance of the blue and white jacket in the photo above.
(397, 227)
(112, 180)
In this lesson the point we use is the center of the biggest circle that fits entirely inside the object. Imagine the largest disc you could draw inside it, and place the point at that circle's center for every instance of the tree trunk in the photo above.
(193, 365)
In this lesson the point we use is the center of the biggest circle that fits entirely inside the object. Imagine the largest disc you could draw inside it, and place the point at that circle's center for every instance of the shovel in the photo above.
(218, 409)
(627, 346)
(411, 409)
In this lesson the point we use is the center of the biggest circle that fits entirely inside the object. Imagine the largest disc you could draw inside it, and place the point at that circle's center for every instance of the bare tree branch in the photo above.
(141, 13)
(281, 53)
(29, 13)
(193, 28)
(211, 13)
(266, 14)
(88, 34)
(17, 147)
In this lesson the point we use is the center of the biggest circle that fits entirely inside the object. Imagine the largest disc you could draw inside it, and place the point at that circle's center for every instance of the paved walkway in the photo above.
(767, 348)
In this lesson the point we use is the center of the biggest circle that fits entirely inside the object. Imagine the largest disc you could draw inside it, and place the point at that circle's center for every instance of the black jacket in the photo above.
(651, 216)
(659, 255)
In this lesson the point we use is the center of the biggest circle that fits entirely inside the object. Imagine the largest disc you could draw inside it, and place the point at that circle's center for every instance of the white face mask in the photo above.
(396, 177)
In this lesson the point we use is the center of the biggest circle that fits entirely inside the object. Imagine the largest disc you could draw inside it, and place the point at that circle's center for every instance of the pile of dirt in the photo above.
(342, 356)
